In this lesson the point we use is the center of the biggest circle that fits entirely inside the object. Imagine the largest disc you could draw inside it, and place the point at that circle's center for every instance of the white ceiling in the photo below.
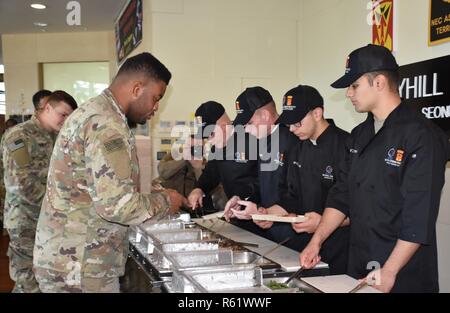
(16, 16)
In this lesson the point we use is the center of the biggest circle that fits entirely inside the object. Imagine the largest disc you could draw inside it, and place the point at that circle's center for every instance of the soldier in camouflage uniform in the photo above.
(39, 100)
(27, 148)
(182, 175)
(9, 123)
(93, 185)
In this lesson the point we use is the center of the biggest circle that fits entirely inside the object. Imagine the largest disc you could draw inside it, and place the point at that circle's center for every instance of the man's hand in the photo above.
(250, 208)
(309, 225)
(246, 213)
(195, 198)
(381, 279)
(263, 224)
(231, 204)
(176, 200)
(309, 257)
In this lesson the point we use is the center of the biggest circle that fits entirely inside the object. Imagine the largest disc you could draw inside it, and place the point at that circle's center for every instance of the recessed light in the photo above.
(40, 24)
(38, 6)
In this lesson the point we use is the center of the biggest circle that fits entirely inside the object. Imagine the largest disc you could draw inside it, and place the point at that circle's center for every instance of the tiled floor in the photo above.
(6, 284)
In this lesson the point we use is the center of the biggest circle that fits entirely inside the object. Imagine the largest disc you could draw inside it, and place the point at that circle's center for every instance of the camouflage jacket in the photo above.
(92, 195)
(27, 149)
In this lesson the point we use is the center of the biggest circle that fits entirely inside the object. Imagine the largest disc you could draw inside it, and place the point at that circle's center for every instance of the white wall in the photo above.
(216, 48)
(325, 47)
(22, 54)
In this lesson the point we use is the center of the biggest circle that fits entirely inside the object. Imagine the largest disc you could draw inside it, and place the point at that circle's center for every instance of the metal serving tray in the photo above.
(160, 252)
(221, 279)
(160, 238)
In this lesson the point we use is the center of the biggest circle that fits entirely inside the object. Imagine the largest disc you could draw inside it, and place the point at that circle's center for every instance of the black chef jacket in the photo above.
(390, 189)
(235, 166)
(273, 163)
(272, 169)
(311, 173)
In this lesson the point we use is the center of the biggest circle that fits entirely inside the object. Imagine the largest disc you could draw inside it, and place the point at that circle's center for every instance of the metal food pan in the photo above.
(161, 251)
(161, 238)
(227, 278)
(295, 285)
(161, 226)
(194, 259)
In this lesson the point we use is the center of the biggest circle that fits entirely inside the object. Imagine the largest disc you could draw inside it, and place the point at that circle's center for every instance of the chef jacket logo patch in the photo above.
(240, 157)
(394, 157)
(328, 173)
(280, 159)
(399, 155)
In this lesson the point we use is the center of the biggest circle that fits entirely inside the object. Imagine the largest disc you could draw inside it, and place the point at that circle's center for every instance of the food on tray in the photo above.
(275, 285)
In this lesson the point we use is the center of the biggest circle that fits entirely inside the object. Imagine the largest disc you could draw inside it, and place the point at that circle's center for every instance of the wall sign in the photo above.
(128, 29)
(426, 87)
(439, 24)
(383, 23)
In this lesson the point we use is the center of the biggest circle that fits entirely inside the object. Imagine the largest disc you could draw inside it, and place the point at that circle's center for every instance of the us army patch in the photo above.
(117, 156)
(19, 152)
(114, 145)
(16, 145)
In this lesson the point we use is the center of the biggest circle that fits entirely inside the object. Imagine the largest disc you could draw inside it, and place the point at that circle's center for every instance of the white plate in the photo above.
(276, 218)
(337, 284)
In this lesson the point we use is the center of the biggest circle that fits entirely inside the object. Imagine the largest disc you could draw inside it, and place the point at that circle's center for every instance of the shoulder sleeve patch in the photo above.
(19, 152)
(114, 145)
(117, 157)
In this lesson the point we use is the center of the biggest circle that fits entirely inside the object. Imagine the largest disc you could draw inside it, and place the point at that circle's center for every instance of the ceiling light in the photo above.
(40, 24)
(38, 6)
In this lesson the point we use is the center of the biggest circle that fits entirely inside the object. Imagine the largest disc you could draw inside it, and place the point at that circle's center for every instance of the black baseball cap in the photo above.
(371, 58)
(298, 102)
(206, 115)
(248, 102)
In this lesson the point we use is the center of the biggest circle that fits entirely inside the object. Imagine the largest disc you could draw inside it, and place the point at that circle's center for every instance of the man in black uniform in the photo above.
(231, 160)
(312, 170)
(256, 111)
(391, 184)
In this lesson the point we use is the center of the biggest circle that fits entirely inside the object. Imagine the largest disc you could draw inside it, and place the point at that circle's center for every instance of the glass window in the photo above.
(82, 80)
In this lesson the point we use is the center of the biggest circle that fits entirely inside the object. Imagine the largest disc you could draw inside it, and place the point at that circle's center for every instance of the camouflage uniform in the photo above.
(92, 196)
(26, 155)
(181, 176)
(2, 183)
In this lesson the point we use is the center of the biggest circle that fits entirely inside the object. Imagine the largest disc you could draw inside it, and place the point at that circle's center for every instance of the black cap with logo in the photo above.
(206, 115)
(298, 102)
(248, 102)
(371, 58)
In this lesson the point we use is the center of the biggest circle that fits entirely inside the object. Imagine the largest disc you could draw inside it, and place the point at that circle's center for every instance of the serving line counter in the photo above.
(162, 252)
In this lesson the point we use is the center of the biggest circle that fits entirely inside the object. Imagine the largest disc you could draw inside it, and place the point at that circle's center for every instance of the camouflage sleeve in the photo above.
(114, 192)
(22, 176)
(2, 182)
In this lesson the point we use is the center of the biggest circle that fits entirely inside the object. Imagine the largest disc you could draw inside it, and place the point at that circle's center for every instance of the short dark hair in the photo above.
(393, 78)
(37, 97)
(10, 123)
(62, 96)
(145, 63)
